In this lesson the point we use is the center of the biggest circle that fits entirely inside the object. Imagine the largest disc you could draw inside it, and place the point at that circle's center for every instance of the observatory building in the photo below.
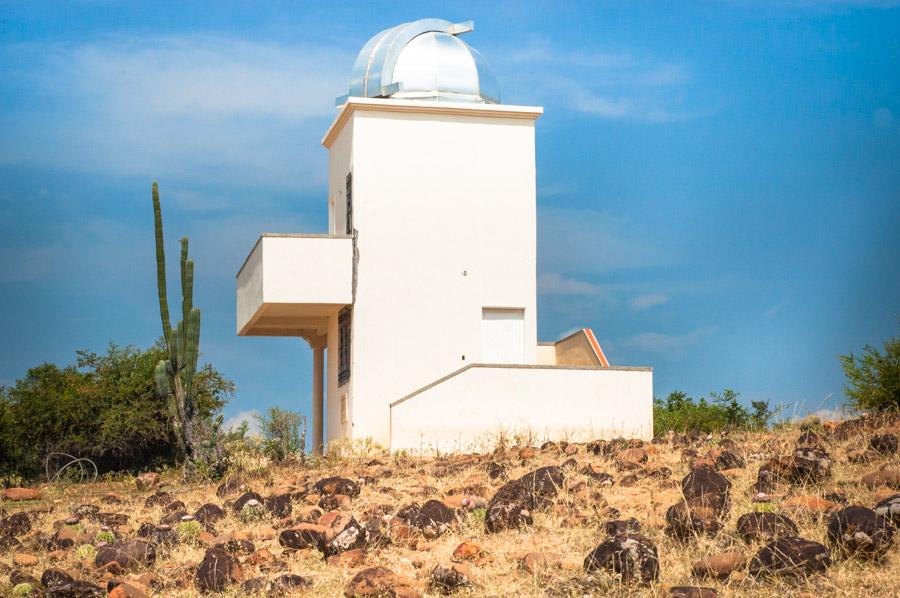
(419, 302)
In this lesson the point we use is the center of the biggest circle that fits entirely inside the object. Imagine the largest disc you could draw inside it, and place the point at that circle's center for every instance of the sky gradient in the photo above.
(718, 182)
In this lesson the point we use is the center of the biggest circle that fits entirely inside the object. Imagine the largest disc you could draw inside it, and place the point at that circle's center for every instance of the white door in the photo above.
(502, 335)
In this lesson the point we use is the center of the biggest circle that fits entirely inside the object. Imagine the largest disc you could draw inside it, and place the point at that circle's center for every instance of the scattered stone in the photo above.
(496, 470)
(527, 453)
(707, 487)
(467, 551)
(448, 578)
(884, 444)
(811, 506)
(25, 560)
(790, 557)
(764, 526)
(534, 490)
(303, 535)
(20, 494)
(887, 476)
(693, 592)
(287, 583)
(348, 559)
(633, 455)
(719, 566)
(244, 499)
(617, 527)
(15, 525)
(506, 515)
(691, 518)
(337, 485)
(351, 535)
(889, 508)
(729, 460)
(209, 514)
(217, 571)
(434, 518)
(374, 581)
(53, 577)
(858, 531)
(632, 557)
(128, 554)
(127, 590)
(75, 589)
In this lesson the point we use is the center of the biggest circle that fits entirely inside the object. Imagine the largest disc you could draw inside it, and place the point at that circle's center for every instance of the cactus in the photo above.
(175, 376)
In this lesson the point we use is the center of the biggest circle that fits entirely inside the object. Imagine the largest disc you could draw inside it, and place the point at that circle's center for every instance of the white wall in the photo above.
(434, 195)
(469, 411)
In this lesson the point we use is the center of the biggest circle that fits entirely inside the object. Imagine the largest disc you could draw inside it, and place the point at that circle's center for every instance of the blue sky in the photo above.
(718, 182)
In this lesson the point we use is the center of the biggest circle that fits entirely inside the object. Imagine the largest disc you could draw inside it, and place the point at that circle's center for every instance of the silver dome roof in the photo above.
(423, 60)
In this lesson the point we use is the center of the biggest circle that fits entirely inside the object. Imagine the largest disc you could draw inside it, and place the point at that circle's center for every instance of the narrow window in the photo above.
(344, 319)
(349, 203)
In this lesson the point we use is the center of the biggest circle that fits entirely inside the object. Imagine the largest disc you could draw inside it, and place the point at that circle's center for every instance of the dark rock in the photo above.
(617, 527)
(75, 589)
(598, 475)
(288, 582)
(15, 525)
(337, 485)
(630, 556)
(496, 470)
(209, 514)
(765, 527)
(256, 585)
(811, 465)
(305, 535)
(692, 518)
(280, 505)
(534, 490)
(885, 444)
(790, 557)
(729, 460)
(55, 577)
(217, 571)
(434, 518)
(236, 547)
(87, 511)
(889, 508)
(173, 518)
(176, 506)
(158, 499)
(129, 554)
(243, 500)
(228, 487)
(858, 531)
(448, 578)
(164, 535)
(8, 541)
(704, 486)
(18, 576)
(111, 519)
(505, 515)
(809, 438)
(693, 592)
(374, 581)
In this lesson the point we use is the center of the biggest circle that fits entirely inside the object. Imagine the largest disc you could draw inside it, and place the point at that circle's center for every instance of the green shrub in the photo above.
(253, 511)
(107, 537)
(105, 407)
(85, 552)
(189, 530)
(873, 379)
(284, 434)
(24, 589)
(679, 413)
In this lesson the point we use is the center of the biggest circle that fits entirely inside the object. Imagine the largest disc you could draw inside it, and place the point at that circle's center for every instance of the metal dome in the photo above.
(423, 60)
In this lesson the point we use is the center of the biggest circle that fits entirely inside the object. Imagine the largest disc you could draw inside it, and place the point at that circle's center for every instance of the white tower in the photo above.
(424, 288)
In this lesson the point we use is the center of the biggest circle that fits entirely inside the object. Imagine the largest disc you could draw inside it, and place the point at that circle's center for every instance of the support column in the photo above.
(318, 397)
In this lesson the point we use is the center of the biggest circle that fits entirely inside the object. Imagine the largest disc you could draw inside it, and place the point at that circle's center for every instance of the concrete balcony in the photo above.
(290, 285)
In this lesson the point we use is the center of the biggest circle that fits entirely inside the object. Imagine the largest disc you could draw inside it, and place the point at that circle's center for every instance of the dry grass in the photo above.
(570, 530)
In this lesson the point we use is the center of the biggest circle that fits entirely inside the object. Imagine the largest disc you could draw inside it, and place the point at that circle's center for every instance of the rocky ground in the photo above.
(792, 513)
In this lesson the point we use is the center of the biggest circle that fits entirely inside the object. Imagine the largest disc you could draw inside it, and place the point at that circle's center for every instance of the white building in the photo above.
(423, 292)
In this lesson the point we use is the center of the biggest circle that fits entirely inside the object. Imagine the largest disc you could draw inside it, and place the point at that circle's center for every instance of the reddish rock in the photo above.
(887, 476)
(25, 560)
(811, 506)
(348, 559)
(633, 455)
(467, 551)
(720, 565)
(19, 494)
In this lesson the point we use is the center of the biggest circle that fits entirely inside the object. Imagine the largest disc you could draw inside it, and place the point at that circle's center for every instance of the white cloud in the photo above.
(239, 112)
(250, 417)
(588, 241)
(647, 301)
(658, 342)
(552, 283)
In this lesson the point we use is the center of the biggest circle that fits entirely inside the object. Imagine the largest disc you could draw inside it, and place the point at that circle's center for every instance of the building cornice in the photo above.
(426, 107)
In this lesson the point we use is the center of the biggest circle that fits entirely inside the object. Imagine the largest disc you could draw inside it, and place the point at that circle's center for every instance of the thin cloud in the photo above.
(552, 283)
(658, 342)
(646, 301)
(250, 417)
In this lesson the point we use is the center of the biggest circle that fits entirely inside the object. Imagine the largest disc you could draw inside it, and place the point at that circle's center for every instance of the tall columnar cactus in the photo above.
(175, 375)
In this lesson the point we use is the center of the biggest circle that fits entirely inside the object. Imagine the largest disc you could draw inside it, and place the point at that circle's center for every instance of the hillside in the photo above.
(517, 522)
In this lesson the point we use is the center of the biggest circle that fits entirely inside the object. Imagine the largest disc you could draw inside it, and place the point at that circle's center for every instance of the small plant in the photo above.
(24, 589)
(188, 531)
(104, 536)
(86, 552)
(253, 511)
(873, 378)
(764, 507)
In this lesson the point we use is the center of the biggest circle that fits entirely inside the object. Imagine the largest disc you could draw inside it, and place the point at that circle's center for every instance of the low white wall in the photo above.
(470, 410)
